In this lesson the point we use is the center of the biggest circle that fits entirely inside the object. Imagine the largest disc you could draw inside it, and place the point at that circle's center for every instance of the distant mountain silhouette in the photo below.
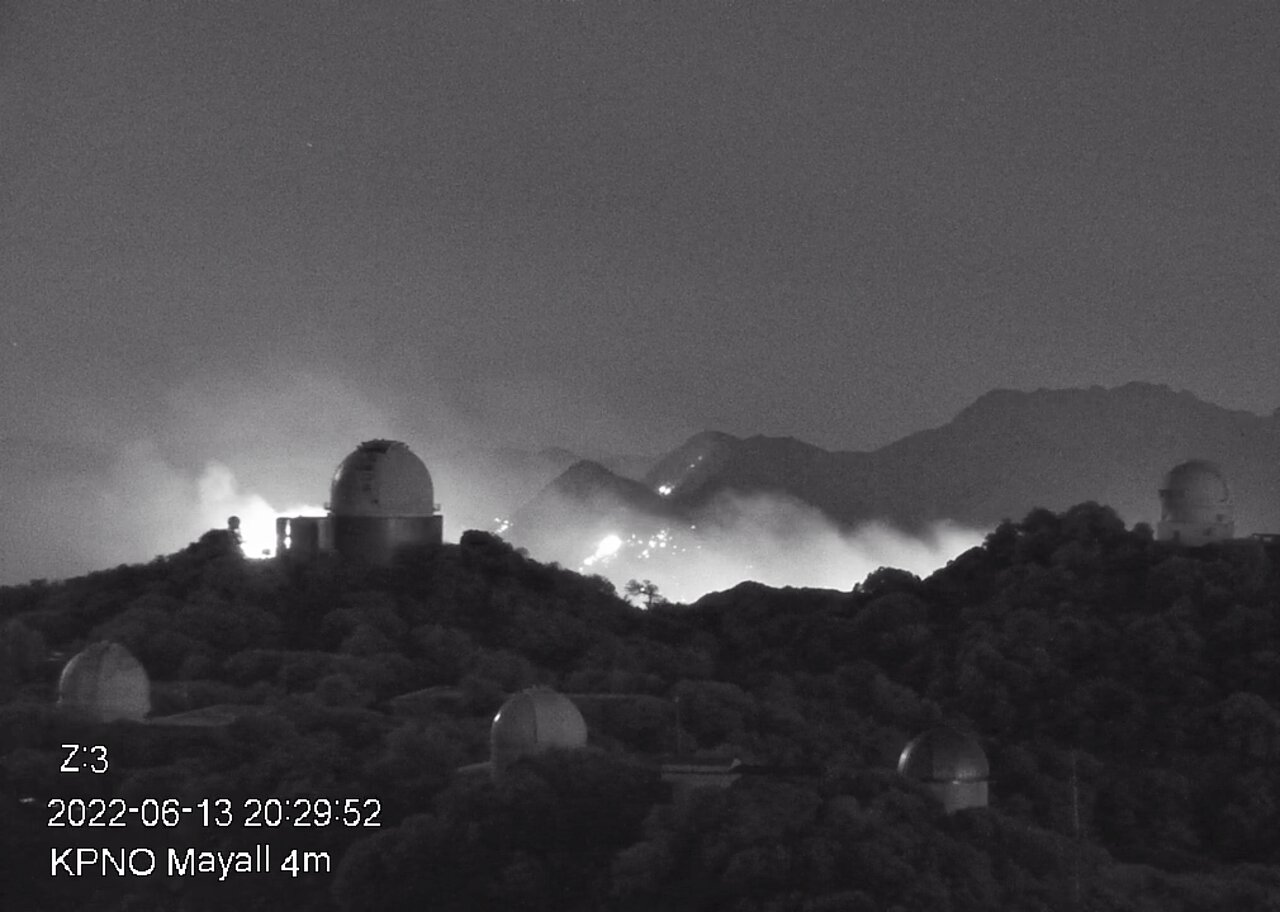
(588, 500)
(1000, 457)
(488, 484)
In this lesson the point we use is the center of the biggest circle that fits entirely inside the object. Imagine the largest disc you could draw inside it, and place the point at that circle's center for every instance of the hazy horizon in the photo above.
(251, 234)
(154, 498)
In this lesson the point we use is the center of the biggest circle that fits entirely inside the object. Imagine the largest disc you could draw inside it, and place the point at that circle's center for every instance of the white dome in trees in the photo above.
(533, 721)
(951, 764)
(104, 682)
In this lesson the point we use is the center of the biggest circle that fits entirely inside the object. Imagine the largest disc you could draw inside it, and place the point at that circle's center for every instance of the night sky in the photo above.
(243, 230)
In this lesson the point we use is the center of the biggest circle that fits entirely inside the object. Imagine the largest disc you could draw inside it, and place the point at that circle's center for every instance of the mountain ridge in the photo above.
(1006, 453)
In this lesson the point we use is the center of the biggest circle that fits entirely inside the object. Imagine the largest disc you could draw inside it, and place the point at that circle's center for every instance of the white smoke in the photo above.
(765, 538)
(145, 506)
(254, 445)
(248, 446)
(220, 497)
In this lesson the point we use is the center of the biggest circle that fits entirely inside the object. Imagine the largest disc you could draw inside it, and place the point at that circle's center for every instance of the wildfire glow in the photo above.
(258, 527)
(221, 498)
(614, 548)
(608, 546)
(767, 539)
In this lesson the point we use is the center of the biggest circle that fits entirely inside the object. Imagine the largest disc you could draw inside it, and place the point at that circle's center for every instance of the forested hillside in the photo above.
(1125, 691)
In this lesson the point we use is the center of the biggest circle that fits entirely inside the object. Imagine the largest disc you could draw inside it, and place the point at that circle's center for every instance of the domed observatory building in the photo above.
(531, 722)
(103, 683)
(1195, 505)
(381, 501)
(951, 764)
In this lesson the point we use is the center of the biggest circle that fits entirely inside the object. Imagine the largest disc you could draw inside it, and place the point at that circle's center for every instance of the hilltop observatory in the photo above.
(381, 502)
(1195, 505)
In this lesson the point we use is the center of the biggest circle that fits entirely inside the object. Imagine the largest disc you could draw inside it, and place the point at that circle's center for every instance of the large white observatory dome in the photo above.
(531, 722)
(104, 682)
(951, 764)
(382, 478)
(381, 505)
(1195, 504)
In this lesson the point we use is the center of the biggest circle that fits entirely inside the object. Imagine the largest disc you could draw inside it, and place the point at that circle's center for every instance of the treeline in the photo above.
(1125, 691)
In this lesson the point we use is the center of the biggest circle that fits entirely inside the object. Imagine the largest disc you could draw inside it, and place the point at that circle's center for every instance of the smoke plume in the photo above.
(767, 538)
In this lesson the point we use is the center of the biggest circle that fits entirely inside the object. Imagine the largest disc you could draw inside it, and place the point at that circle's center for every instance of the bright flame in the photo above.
(665, 490)
(263, 541)
(770, 540)
(608, 546)
(221, 498)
